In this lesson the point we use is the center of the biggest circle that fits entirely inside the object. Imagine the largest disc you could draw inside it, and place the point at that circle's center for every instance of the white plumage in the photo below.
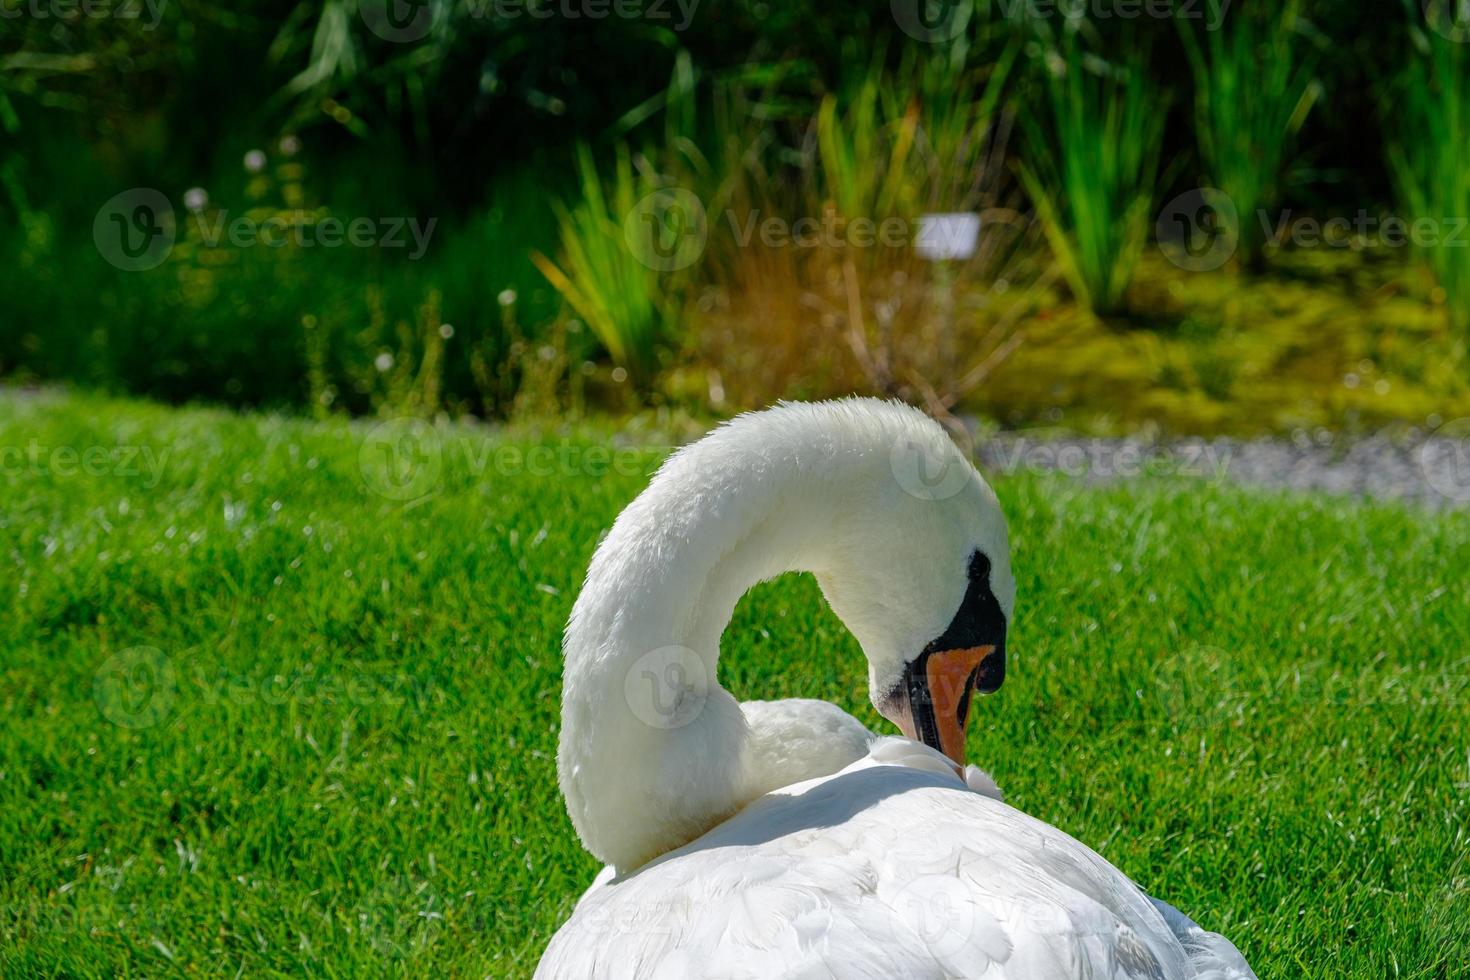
(782, 839)
(828, 878)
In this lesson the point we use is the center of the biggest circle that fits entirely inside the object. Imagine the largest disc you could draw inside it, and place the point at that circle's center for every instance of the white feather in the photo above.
(885, 871)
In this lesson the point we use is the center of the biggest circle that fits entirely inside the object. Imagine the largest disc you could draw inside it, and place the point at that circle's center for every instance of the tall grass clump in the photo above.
(1429, 158)
(1091, 169)
(895, 142)
(863, 148)
(630, 247)
(604, 279)
(1254, 86)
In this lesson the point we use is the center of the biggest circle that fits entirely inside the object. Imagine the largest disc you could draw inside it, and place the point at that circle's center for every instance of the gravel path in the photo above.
(1432, 470)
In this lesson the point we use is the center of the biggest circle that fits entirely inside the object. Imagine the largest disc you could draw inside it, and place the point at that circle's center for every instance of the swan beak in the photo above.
(937, 688)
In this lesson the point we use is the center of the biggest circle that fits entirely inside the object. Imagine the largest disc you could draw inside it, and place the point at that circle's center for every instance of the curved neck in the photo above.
(653, 751)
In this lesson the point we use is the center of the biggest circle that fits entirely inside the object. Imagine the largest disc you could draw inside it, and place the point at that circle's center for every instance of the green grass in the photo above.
(1092, 174)
(1253, 91)
(1254, 705)
(612, 259)
(1429, 158)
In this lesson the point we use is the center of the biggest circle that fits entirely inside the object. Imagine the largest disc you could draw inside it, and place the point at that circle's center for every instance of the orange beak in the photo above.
(938, 702)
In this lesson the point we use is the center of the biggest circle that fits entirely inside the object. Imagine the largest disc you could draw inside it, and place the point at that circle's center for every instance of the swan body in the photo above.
(825, 879)
(782, 838)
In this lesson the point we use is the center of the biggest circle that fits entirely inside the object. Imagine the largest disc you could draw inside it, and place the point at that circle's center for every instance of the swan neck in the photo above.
(654, 752)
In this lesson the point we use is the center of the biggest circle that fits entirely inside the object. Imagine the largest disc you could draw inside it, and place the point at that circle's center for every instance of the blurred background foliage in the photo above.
(531, 141)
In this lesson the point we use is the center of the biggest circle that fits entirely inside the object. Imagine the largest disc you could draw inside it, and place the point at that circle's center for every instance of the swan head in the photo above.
(922, 578)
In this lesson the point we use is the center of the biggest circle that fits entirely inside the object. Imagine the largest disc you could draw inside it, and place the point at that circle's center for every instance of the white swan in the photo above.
(782, 839)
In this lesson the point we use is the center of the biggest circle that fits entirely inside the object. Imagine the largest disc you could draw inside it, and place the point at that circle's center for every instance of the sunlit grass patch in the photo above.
(258, 715)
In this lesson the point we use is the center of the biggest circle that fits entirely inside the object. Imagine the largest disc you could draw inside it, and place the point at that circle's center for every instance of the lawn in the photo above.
(271, 709)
